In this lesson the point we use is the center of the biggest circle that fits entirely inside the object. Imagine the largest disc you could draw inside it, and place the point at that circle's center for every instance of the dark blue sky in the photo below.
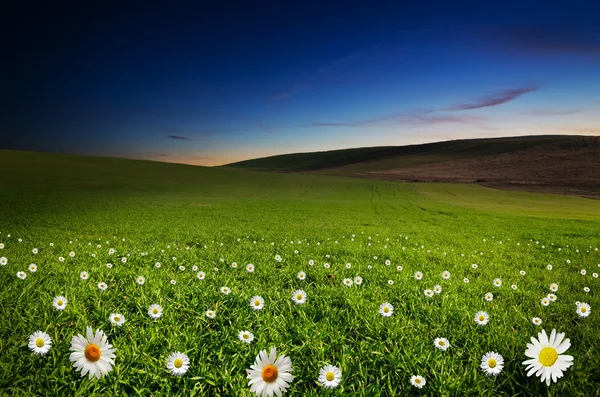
(209, 84)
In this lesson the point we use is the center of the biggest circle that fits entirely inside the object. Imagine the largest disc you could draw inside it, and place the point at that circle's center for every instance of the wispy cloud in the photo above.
(493, 99)
(179, 137)
(550, 112)
(406, 119)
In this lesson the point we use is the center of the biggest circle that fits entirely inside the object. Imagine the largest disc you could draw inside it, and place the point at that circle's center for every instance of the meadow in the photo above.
(195, 219)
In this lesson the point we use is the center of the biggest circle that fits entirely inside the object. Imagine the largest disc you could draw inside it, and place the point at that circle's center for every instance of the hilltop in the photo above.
(554, 164)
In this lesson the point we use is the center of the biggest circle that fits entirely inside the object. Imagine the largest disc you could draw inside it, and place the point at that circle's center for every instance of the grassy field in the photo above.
(211, 217)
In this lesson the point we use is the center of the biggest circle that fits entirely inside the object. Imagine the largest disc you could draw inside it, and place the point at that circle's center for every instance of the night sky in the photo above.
(211, 84)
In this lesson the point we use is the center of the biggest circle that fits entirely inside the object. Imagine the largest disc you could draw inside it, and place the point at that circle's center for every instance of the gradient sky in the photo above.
(211, 84)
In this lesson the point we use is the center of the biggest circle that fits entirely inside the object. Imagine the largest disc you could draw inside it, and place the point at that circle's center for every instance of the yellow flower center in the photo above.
(417, 380)
(245, 336)
(481, 317)
(269, 373)
(492, 363)
(178, 363)
(386, 309)
(329, 376)
(441, 343)
(117, 319)
(257, 303)
(583, 309)
(299, 296)
(92, 352)
(59, 302)
(39, 342)
(548, 356)
(155, 311)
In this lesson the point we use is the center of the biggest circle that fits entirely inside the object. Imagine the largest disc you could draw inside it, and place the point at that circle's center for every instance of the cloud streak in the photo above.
(179, 137)
(494, 99)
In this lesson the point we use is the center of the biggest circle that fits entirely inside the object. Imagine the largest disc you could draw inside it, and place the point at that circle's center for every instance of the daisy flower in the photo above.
(157, 265)
(399, 268)
(33, 268)
(210, 314)
(34, 251)
(3, 261)
(72, 254)
(474, 266)
(497, 282)
(278, 258)
(391, 282)
(249, 267)
(111, 251)
(549, 267)
(326, 265)
(437, 289)
(418, 275)
(492, 363)
(173, 282)
(330, 376)
(311, 262)
(348, 282)
(514, 286)
(489, 297)
(441, 343)
(583, 309)
(445, 274)
(545, 301)
(257, 302)
(270, 374)
(84, 275)
(200, 275)
(59, 303)
(109, 265)
(358, 280)
(482, 318)
(417, 381)
(102, 286)
(536, 321)
(246, 336)
(155, 311)
(586, 289)
(225, 290)
(21, 275)
(554, 287)
(178, 363)
(195, 268)
(123, 260)
(546, 358)
(428, 293)
(140, 280)
(117, 319)
(595, 275)
(348, 265)
(466, 280)
(386, 309)
(552, 297)
(522, 272)
(299, 297)
(93, 354)
(40, 343)
(301, 275)
(182, 268)
(583, 272)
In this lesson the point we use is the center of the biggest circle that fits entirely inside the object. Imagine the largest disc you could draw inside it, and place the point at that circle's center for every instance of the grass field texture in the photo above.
(188, 216)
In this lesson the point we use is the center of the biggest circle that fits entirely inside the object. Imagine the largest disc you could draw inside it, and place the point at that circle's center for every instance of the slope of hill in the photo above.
(552, 164)
(348, 161)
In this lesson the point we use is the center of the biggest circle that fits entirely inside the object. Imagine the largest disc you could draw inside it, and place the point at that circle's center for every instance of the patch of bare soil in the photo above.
(570, 166)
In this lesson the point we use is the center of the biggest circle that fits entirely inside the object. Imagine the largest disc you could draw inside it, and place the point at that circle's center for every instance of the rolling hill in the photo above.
(553, 164)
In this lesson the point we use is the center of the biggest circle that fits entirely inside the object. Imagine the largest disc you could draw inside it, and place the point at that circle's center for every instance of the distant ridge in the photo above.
(564, 164)
(370, 158)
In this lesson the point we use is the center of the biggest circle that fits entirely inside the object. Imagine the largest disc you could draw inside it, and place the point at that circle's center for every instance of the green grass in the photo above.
(220, 212)
(349, 161)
